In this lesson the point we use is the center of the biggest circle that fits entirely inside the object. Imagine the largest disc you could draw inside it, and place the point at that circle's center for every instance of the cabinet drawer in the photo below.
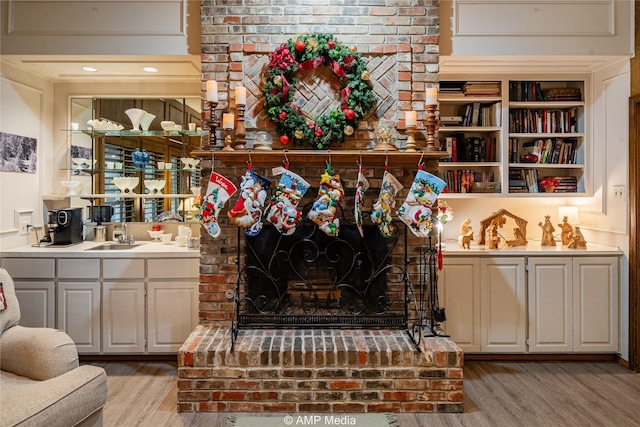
(173, 268)
(30, 268)
(123, 268)
(80, 268)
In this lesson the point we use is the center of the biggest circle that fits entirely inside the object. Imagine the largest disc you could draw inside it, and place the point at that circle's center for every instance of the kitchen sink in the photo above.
(114, 246)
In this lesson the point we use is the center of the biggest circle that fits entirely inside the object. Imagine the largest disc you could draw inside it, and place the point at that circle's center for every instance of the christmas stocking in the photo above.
(361, 186)
(281, 210)
(248, 210)
(324, 209)
(416, 209)
(381, 213)
(219, 190)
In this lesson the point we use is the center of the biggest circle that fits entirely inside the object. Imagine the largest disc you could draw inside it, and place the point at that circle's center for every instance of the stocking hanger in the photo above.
(329, 161)
(249, 162)
(386, 161)
(286, 160)
(420, 161)
(359, 161)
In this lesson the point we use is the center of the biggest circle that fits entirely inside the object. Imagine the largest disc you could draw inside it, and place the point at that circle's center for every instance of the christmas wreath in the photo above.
(306, 52)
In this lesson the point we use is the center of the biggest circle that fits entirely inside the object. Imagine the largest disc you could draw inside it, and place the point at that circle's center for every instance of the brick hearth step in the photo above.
(318, 370)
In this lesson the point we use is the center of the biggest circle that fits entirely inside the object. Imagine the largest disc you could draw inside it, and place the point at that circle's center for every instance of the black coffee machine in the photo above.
(65, 226)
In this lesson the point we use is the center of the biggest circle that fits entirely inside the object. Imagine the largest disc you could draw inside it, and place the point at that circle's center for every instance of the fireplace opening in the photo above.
(310, 279)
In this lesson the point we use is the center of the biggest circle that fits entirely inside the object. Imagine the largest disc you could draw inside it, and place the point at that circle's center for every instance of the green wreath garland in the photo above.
(305, 52)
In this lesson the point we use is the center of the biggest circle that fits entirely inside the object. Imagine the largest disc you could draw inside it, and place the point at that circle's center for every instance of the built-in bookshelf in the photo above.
(506, 135)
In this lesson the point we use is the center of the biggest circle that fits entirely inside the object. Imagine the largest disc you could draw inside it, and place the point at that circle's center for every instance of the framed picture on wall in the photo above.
(18, 153)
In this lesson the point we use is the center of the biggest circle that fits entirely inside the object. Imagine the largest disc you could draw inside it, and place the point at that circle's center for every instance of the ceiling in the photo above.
(63, 68)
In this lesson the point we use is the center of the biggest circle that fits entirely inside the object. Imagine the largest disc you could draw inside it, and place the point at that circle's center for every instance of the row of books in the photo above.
(473, 149)
(525, 120)
(523, 181)
(532, 92)
(549, 150)
(526, 181)
(461, 181)
(476, 114)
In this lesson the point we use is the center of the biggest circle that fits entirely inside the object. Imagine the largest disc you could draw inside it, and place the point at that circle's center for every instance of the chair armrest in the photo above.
(37, 353)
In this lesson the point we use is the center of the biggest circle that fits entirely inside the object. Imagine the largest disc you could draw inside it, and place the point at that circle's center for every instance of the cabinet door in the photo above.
(550, 305)
(502, 305)
(595, 302)
(459, 294)
(123, 317)
(79, 314)
(173, 314)
(37, 303)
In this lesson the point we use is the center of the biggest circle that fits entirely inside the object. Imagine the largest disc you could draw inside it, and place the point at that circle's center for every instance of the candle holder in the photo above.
(241, 132)
(411, 142)
(431, 123)
(228, 142)
(212, 124)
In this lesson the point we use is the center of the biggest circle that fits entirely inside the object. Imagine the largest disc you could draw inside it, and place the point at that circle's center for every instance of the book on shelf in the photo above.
(523, 180)
(527, 120)
(481, 88)
(526, 92)
(546, 151)
(563, 94)
(450, 120)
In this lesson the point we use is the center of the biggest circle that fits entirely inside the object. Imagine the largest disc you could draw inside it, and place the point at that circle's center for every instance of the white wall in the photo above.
(26, 108)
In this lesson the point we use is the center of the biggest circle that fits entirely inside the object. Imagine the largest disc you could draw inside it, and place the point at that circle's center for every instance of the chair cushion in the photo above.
(10, 316)
(37, 353)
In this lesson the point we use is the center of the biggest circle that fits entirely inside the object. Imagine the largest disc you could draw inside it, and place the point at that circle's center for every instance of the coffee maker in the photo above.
(65, 226)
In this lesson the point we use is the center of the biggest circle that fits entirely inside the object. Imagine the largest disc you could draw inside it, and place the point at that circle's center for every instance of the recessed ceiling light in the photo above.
(150, 69)
(89, 69)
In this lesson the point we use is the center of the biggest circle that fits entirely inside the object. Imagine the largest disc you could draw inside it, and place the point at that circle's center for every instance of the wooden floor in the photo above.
(496, 394)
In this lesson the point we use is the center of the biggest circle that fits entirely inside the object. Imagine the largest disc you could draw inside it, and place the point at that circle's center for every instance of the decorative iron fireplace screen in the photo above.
(310, 279)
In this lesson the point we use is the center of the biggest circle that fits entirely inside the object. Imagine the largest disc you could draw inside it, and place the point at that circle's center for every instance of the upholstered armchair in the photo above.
(41, 381)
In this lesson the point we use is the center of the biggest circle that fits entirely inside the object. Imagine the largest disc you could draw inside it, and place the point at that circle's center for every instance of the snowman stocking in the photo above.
(281, 210)
(247, 211)
(381, 213)
(361, 186)
(324, 209)
(219, 190)
(416, 209)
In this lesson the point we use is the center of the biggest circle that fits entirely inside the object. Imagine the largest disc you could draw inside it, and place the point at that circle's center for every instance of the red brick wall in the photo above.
(400, 44)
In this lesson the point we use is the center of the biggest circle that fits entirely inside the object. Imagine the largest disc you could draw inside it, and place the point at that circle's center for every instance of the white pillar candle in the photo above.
(212, 91)
(410, 118)
(241, 95)
(431, 96)
(227, 121)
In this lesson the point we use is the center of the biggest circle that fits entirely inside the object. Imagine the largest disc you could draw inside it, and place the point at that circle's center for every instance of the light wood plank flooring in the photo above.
(497, 394)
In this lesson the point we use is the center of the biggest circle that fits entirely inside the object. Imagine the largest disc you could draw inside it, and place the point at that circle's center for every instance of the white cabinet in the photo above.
(172, 304)
(503, 305)
(34, 280)
(573, 304)
(595, 302)
(172, 314)
(79, 301)
(123, 305)
(550, 305)
(79, 313)
(459, 293)
(123, 317)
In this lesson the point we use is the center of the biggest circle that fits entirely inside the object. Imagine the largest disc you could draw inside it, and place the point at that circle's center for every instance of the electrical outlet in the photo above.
(618, 192)
(23, 229)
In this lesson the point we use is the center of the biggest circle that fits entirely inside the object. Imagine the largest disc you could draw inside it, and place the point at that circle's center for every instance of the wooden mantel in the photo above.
(317, 157)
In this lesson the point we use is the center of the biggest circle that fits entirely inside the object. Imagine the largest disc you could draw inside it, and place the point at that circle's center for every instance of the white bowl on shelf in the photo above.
(167, 125)
(71, 187)
(126, 184)
(154, 185)
(155, 234)
(189, 162)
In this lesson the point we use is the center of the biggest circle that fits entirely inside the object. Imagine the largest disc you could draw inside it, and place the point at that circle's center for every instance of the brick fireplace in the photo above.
(315, 369)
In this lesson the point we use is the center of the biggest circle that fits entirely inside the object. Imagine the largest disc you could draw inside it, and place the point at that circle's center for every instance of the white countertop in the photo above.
(144, 249)
(533, 248)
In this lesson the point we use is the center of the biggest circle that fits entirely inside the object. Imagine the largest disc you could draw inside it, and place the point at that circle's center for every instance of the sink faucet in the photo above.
(124, 235)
